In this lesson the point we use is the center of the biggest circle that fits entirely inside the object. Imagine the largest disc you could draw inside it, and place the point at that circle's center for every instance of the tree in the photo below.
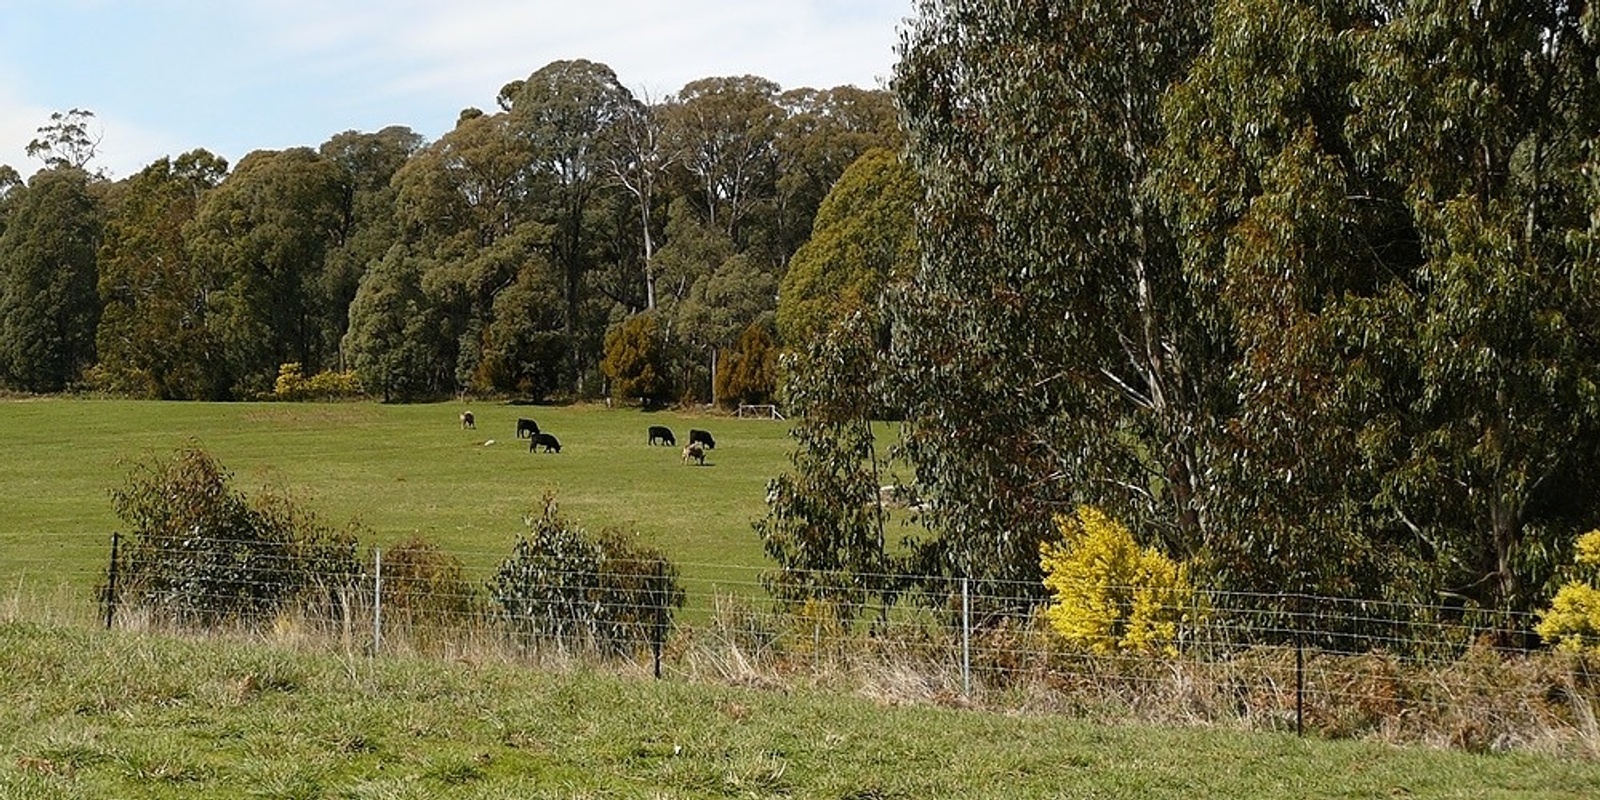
(155, 337)
(48, 305)
(638, 159)
(1295, 241)
(370, 224)
(1483, 116)
(751, 371)
(566, 110)
(1049, 343)
(260, 238)
(67, 142)
(822, 133)
(636, 360)
(396, 342)
(725, 127)
(864, 239)
(824, 527)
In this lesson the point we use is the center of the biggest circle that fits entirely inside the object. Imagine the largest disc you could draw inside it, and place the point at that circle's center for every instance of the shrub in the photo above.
(1572, 622)
(560, 585)
(425, 586)
(636, 360)
(325, 385)
(200, 553)
(1110, 595)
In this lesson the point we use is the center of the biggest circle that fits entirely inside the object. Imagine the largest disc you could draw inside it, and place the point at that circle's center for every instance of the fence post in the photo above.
(111, 580)
(1299, 684)
(377, 599)
(660, 632)
(966, 639)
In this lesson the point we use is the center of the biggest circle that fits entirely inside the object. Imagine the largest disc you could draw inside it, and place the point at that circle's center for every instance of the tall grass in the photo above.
(124, 714)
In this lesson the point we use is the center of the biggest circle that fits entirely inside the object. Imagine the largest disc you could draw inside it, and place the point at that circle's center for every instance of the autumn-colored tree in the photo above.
(749, 373)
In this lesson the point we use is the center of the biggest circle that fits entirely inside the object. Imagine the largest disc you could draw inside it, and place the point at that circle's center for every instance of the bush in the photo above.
(201, 554)
(560, 585)
(325, 385)
(424, 586)
(1572, 622)
(1110, 595)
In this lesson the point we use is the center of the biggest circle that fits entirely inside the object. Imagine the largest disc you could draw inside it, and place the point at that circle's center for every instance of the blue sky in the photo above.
(167, 76)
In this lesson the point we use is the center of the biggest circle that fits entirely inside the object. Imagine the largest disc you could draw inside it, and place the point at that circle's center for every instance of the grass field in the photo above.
(398, 470)
(108, 715)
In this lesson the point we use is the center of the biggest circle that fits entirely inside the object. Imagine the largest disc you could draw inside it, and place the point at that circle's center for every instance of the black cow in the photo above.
(467, 420)
(527, 426)
(697, 436)
(662, 434)
(544, 440)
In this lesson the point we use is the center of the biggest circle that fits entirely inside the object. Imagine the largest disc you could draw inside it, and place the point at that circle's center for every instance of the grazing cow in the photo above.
(697, 436)
(467, 420)
(662, 434)
(693, 451)
(544, 440)
(527, 426)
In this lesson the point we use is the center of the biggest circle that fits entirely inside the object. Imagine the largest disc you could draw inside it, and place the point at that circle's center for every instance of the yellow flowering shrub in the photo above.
(1110, 595)
(1572, 622)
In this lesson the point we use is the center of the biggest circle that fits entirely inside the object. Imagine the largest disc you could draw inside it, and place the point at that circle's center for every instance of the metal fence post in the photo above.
(966, 638)
(111, 580)
(377, 599)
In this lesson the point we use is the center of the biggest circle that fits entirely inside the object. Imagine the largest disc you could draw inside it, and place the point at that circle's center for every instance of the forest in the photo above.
(494, 260)
(1303, 293)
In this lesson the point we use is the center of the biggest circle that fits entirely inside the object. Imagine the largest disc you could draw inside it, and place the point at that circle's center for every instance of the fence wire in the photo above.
(1339, 666)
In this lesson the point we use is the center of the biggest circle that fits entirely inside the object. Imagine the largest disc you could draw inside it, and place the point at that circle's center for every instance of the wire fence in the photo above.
(1326, 665)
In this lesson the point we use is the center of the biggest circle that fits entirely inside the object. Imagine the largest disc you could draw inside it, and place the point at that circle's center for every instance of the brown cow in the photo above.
(694, 451)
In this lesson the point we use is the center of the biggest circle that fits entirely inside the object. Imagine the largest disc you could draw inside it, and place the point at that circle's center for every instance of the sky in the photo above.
(163, 77)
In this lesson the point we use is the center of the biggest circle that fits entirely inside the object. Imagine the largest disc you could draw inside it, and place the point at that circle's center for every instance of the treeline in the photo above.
(1303, 292)
(495, 259)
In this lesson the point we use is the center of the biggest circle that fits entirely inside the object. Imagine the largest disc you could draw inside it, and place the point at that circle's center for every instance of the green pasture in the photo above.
(398, 471)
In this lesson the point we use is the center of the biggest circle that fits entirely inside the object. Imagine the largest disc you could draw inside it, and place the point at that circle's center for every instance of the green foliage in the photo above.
(564, 587)
(1572, 622)
(198, 553)
(864, 238)
(394, 343)
(260, 238)
(636, 360)
(1047, 346)
(1110, 595)
(824, 527)
(155, 338)
(48, 304)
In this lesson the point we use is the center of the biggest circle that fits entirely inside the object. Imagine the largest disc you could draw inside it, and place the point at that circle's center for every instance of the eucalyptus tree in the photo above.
(396, 343)
(725, 129)
(48, 304)
(67, 142)
(259, 239)
(864, 238)
(823, 132)
(566, 111)
(1268, 205)
(639, 160)
(1485, 420)
(464, 203)
(1051, 350)
(368, 162)
(155, 336)
(825, 526)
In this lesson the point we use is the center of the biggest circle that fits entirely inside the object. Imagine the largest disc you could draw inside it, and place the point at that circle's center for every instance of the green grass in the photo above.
(98, 715)
(400, 471)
